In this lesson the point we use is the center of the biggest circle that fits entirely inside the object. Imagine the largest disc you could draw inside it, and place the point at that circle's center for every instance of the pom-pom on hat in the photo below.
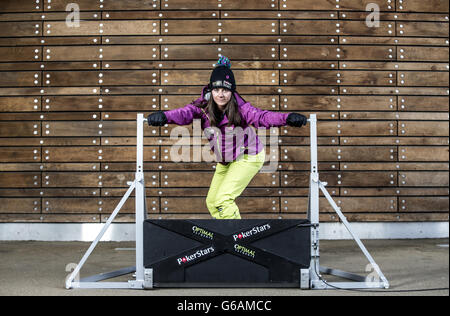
(222, 76)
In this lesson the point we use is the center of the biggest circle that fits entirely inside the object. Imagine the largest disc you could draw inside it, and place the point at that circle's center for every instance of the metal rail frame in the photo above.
(144, 277)
(316, 280)
(142, 280)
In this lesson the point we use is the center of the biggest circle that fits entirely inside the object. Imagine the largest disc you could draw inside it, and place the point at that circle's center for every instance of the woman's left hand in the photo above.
(157, 119)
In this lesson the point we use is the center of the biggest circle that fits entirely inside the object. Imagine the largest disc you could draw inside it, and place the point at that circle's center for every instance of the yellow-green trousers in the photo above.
(229, 182)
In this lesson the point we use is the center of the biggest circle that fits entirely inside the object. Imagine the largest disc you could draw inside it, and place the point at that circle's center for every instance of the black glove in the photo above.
(157, 119)
(297, 120)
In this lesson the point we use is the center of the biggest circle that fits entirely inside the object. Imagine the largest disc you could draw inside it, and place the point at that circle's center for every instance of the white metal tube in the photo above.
(76, 271)
(355, 237)
(314, 177)
(139, 199)
(313, 200)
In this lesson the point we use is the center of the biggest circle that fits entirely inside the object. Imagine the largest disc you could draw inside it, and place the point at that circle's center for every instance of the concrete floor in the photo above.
(39, 268)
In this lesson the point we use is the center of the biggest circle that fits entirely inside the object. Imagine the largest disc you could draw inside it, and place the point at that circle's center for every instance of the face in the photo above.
(221, 96)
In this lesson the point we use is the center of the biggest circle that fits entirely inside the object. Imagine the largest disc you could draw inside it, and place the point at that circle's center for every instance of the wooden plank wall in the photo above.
(69, 98)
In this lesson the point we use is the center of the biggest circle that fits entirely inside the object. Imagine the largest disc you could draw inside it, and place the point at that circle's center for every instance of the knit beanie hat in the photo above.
(222, 76)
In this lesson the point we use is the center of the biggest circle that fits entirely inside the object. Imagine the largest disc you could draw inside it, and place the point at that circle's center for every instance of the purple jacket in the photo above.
(230, 142)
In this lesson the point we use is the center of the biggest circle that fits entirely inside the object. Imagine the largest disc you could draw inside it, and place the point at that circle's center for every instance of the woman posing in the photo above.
(228, 122)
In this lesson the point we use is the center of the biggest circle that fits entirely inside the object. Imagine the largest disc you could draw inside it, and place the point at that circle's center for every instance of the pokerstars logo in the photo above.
(255, 230)
(196, 255)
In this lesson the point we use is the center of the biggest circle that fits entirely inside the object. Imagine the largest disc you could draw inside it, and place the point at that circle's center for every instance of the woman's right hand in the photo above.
(157, 119)
(296, 120)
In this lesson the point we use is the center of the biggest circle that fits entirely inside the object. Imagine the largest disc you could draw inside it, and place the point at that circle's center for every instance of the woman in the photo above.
(229, 122)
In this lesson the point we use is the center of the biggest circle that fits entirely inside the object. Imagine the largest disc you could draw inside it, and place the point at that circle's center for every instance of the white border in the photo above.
(126, 232)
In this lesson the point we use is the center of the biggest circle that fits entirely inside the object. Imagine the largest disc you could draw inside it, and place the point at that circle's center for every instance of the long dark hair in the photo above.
(215, 115)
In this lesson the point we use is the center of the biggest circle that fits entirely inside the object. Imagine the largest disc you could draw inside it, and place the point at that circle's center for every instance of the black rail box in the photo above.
(227, 253)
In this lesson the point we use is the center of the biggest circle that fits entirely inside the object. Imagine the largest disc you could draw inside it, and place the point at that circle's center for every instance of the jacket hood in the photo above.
(205, 90)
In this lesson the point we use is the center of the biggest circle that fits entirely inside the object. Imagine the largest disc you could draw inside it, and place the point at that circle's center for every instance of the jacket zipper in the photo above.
(216, 135)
